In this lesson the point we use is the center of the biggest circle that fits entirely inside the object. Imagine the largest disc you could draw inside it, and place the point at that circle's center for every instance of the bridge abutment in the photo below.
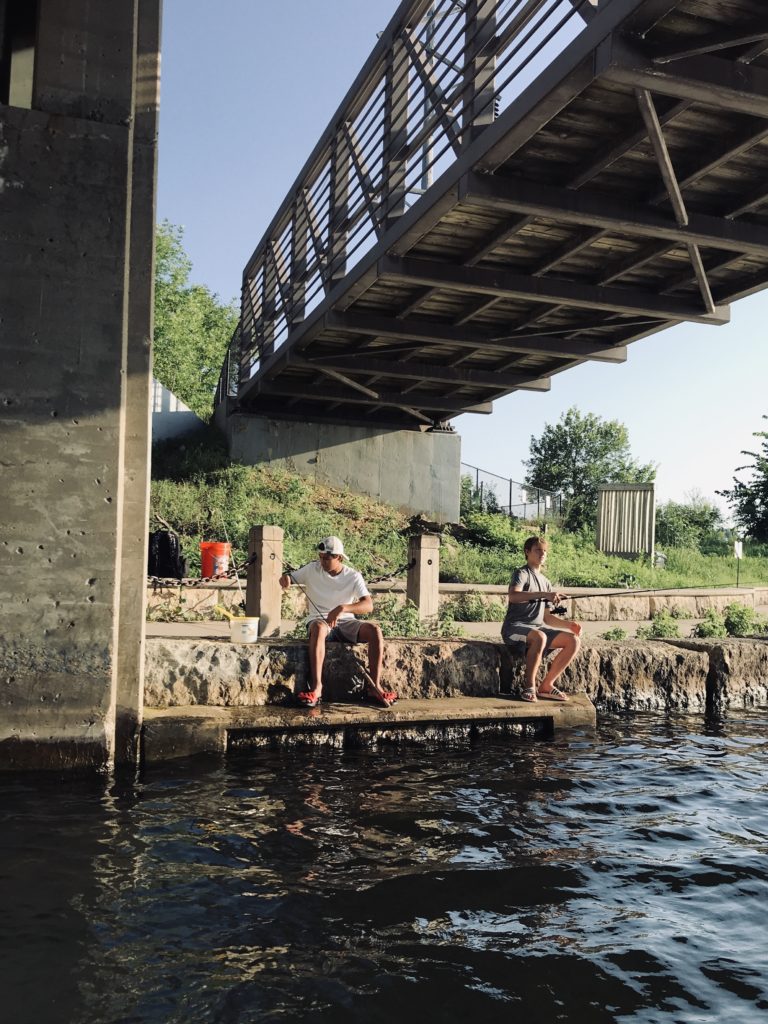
(417, 471)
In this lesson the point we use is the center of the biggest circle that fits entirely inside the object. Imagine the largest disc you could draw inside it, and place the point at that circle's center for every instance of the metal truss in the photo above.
(379, 276)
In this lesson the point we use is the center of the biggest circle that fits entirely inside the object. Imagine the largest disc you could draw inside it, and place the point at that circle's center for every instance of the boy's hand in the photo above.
(333, 615)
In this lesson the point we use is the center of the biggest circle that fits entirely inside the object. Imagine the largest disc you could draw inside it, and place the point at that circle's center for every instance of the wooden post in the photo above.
(424, 576)
(263, 593)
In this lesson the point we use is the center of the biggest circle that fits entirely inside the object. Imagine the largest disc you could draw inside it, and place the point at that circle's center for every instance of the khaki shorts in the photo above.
(345, 631)
(515, 636)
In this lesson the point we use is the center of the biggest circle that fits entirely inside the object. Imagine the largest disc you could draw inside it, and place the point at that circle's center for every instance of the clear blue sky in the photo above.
(249, 85)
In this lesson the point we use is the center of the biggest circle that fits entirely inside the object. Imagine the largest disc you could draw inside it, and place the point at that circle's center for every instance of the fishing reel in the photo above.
(559, 609)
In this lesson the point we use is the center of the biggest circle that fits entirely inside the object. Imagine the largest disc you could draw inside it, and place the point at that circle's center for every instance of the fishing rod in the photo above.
(656, 590)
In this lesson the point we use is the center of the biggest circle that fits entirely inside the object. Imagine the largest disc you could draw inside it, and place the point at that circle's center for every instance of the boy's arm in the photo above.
(363, 606)
(517, 595)
(557, 623)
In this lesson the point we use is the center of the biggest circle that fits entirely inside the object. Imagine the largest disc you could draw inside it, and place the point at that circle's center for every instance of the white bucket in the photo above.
(244, 630)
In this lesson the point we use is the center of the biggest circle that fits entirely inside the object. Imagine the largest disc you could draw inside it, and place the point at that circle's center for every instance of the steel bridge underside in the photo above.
(621, 192)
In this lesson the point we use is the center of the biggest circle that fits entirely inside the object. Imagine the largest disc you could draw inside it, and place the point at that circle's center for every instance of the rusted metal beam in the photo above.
(546, 290)
(420, 371)
(605, 212)
(723, 40)
(667, 171)
(416, 399)
(710, 81)
(434, 333)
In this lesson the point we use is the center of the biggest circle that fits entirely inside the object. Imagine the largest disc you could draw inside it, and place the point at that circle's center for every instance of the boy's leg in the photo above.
(318, 634)
(370, 634)
(535, 643)
(567, 644)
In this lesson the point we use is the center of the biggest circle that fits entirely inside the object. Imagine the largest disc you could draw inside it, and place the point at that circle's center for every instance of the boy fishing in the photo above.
(531, 630)
(336, 594)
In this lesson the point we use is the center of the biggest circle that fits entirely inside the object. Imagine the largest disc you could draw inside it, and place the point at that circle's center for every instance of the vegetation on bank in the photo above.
(202, 496)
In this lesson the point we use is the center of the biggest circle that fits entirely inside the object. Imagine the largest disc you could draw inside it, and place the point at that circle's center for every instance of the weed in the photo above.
(617, 633)
(712, 625)
(662, 626)
(741, 620)
(403, 621)
(473, 608)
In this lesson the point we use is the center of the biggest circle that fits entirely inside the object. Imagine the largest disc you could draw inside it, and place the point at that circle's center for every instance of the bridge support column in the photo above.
(77, 167)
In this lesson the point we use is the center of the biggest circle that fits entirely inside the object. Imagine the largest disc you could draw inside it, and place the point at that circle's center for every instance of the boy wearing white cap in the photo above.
(336, 593)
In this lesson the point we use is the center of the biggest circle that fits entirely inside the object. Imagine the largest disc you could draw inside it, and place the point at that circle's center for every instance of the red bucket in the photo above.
(214, 557)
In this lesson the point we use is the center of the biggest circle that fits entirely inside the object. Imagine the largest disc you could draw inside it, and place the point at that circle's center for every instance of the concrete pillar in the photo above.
(76, 184)
(137, 429)
(424, 575)
(263, 595)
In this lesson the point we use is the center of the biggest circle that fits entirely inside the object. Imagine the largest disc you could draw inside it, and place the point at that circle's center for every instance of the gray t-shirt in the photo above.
(530, 613)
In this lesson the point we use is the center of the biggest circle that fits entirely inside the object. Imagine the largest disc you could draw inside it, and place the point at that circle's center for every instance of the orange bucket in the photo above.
(214, 557)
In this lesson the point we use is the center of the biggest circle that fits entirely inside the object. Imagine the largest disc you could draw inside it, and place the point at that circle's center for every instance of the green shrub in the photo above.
(711, 625)
(403, 621)
(617, 633)
(472, 608)
(662, 626)
(740, 620)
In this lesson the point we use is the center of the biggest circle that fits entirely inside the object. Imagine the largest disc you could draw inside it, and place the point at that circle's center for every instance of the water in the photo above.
(615, 876)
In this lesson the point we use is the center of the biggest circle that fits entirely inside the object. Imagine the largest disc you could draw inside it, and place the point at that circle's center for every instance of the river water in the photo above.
(619, 875)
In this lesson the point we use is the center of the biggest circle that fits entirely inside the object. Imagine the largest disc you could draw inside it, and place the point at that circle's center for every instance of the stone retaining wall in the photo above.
(627, 676)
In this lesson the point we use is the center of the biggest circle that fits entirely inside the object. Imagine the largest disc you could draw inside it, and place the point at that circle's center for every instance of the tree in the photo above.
(749, 500)
(688, 524)
(192, 326)
(578, 454)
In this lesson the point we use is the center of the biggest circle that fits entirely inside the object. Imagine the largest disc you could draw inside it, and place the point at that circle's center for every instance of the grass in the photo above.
(202, 496)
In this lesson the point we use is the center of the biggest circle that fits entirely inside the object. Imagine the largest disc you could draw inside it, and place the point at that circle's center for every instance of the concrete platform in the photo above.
(184, 731)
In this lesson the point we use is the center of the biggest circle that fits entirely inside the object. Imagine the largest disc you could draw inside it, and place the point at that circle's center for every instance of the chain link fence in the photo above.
(488, 492)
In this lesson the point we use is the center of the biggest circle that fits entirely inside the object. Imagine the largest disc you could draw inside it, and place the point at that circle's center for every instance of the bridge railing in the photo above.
(488, 492)
(440, 73)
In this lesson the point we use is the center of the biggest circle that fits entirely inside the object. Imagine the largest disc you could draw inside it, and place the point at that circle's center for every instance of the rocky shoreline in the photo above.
(694, 676)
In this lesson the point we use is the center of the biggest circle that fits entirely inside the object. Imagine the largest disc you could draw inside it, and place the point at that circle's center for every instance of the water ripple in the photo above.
(609, 877)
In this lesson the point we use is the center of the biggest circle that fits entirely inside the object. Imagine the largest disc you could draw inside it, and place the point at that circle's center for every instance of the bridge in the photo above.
(510, 188)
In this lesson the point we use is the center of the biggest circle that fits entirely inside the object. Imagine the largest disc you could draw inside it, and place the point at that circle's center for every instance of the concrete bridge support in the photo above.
(416, 470)
(77, 185)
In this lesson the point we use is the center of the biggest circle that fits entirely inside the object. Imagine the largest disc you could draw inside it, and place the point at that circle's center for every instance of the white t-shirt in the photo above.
(328, 592)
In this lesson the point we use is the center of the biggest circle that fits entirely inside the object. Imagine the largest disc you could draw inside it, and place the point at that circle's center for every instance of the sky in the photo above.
(248, 87)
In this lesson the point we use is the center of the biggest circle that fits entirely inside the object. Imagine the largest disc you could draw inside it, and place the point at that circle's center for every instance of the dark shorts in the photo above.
(345, 631)
(515, 636)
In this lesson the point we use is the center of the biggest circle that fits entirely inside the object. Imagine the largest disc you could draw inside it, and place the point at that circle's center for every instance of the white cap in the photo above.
(331, 546)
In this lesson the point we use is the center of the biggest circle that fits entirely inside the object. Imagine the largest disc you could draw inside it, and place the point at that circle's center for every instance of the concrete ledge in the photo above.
(626, 676)
(738, 671)
(610, 606)
(184, 731)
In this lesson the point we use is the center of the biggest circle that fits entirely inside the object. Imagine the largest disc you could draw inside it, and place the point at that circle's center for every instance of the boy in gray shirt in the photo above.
(531, 630)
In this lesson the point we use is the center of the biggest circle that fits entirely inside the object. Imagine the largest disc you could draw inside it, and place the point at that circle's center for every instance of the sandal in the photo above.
(308, 698)
(381, 698)
(553, 694)
(528, 694)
